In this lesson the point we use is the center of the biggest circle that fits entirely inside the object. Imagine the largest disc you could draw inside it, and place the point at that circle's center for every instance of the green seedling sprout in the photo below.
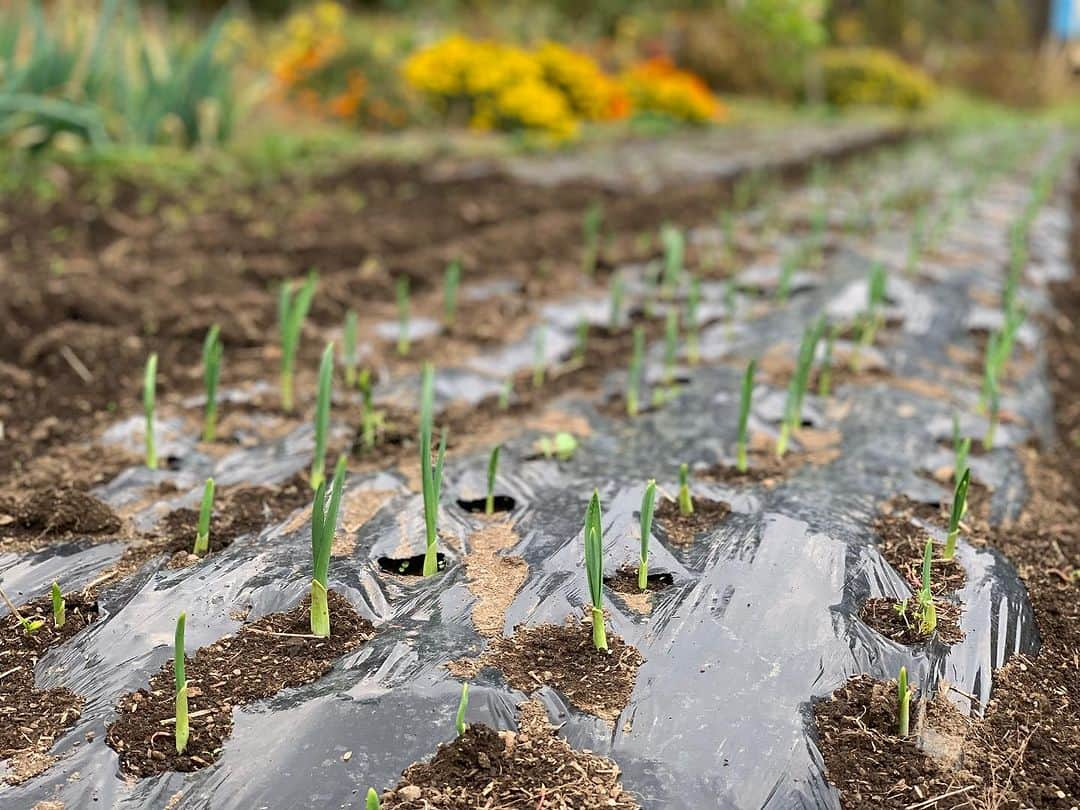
(825, 369)
(322, 415)
(617, 293)
(59, 606)
(463, 704)
(348, 349)
(927, 610)
(582, 346)
(539, 351)
(744, 416)
(451, 282)
(431, 476)
(590, 227)
(149, 395)
(797, 387)
(504, 394)
(323, 523)
(211, 363)
(903, 703)
(292, 309)
(693, 324)
(730, 305)
(994, 406)
(961, 449)
(594, 568)
(727, 225)
(372, 802)
(648, 506)
(202, 533)
(492, 471)
(633, 374)
(29, 626)
(561, 446)
(401, 289)
(671, 345)
(958, 506)
(686, 503)
(872, 318)
(182, 731)
(788, 266)
(370, 419)
(674, 256)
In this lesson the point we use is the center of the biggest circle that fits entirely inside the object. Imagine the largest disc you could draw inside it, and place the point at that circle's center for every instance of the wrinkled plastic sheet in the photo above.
(762, 616)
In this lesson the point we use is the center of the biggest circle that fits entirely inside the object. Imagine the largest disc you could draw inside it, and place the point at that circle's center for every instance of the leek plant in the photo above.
(590, 226)
(693, 324)
(202, 532)
(463, 705)
(292, 309)
(686, 503)
(903, 703)
(615, 310)
(674, 243)
(149, 395)
(959, 505)
(211, 364)
(825, 369)
(671, 345)
(505, 393)
(539, 351)
(961, 449)
(581, 347)
(401, 290)
(594, 569)
(451, 282)
(744, 416)
(323, 523)
(927, 610)
(788, 265)
(492, 471)
(59, 606)
(348, 349)
(633, 374)
(182, 730)
(431, 476)
(873, 317)
(648, 506)
(370, 418)
(322, 415)
(372, 801)
(792, 418)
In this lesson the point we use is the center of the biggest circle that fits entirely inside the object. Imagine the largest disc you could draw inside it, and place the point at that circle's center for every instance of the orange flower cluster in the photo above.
(657, 86)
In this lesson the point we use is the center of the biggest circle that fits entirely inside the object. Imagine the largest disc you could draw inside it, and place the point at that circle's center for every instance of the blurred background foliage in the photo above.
(186, 73)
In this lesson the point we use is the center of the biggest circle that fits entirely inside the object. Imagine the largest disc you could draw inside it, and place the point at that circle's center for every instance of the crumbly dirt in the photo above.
(564, 658)
(625, 583)
(492, 577)
(54, 515)
(682, 530)
(31, 719)
(275, 652)
(903, 545)
(530, 768)
(903, 628)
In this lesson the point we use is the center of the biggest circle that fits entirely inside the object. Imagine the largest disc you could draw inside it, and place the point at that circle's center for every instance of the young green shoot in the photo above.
(182, 731)
(149, 395)
(539, 353)
(594, 569)
(686, 503)
(561, 446)
(29, 626)
(617, 294)
(648, 507)
(959, 505)
(322, 415)
(671, 345)
(505, 393)
(727, 226)
(211, 366)
(451, 282)
(581, 347)
(903, 703)
(693, 322)
(590, 227)
(462, 706)
(202, 532)
(825, 369)
(797, 387)
(788, 265)
(633, 373)
(744, 416)
(730, 305)
(59, 606)
(349, 357)
(323, 523)
(961, 449)
(292, 309)
(492, 471)
(401, 289)
(927, 609)
(372, 801)
(370, 418)
(872, 318)
(430, 475)
(674, 243)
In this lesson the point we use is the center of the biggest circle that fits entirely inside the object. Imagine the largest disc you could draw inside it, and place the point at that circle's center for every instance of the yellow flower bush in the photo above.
(873, 76)
(657, 86)
(589, 92)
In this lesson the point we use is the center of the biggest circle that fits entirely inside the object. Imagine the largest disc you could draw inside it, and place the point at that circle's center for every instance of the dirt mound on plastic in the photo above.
(67, 510)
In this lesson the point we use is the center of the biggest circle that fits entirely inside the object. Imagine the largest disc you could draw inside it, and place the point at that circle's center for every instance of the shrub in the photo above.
(873, 76)
(657, 86)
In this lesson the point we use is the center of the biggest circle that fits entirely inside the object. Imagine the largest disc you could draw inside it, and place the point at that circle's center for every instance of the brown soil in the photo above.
(903, 544)
(532, 767)
(52, 515)
(625, 580)
(564, 658)
(882, 615)
(31, 719)
(492, 577)
(762, 467)
(682, 530)
(274, 653)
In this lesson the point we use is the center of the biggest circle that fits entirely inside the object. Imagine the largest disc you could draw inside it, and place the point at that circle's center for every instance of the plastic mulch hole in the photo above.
(501, 503)
(409, 566)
